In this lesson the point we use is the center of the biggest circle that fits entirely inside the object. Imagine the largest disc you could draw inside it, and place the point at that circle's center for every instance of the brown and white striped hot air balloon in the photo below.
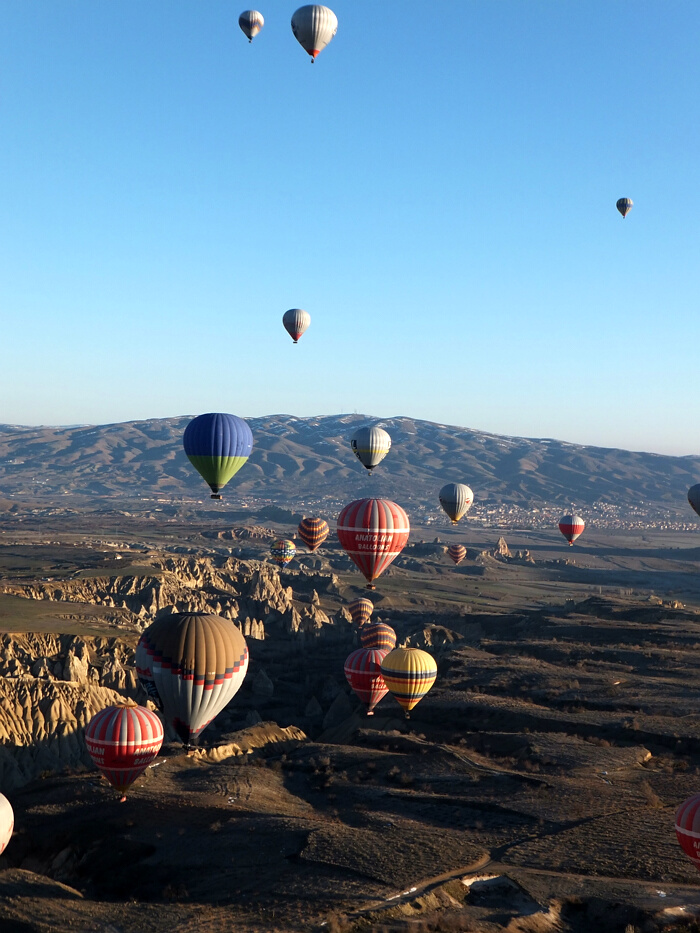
(251, 22)
(457, 552)
(361, 611)
(313, 532)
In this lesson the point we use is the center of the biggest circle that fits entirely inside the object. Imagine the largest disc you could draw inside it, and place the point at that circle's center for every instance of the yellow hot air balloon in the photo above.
(409, 673)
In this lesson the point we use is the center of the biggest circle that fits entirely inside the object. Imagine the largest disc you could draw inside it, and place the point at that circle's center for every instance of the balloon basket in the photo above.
(371, 586)
(370, 712)
(123, 799)
(407, 715)
(215, 495)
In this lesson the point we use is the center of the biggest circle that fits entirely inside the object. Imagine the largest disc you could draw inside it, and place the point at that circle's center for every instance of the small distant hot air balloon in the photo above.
(571, 526)
(370, 444)
(456, 499)
(296, 322)
(688, 828)
(373, 532)
(7, 822)
(313, 532)
(217, 445)
(361, 610)
(364, 674)
(457, 552)
(122, 741)
(624, 206)
(378, 635)
(195, 662)
(282, 551)
(314, 26)
(409, 673)
(694, 498)
(251, 22)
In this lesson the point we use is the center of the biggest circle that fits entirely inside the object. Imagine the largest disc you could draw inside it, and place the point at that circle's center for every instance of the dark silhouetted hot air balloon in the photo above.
(251, 22)
(122, 741)
(313, 532)
(296, 322)
(361, 610)
(314, 26)
(688, 828)
(378, 635)
(196, 663)
(457, 552)
(571, 526)
(456, 500)
(364, 674)
(694, 498)
(282, 551)
(624, 206)
(373, 532)
(409, 673)
(7, 822)
(370, 445)
(217, 445)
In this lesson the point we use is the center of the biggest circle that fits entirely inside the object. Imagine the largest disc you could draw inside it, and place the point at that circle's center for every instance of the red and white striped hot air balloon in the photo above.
(571, 526)
(688, 828)
(364, 674)
(123, 741)
(7, 822)
(373, 532)
(457, 552)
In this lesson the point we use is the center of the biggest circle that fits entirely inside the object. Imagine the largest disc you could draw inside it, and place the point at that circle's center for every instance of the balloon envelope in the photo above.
(217, 445)
(457, 552)
(122, 741)
(688, 828)
(371, 445)
(282, 551)
(409, 673)
(7, 822)
(694, 498)
(373, 532)
(361, 611)
(624, 206)
(571, 526)
(313, 532)
(456, 499)
(314, 26)
(251, 22)
(197, 663)
(296, 322)
(378, 635)
(364, 674)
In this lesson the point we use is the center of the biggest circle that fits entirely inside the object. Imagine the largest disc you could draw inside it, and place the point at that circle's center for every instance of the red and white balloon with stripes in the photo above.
(363, 671)
(373, 532)
(571, 526)
(688, 828)
(7, 822)
(123, 741)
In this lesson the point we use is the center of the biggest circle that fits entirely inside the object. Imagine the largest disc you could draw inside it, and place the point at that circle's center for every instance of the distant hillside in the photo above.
(299, 461)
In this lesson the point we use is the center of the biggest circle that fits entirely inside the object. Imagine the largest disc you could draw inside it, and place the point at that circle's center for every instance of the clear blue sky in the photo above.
(438, 191)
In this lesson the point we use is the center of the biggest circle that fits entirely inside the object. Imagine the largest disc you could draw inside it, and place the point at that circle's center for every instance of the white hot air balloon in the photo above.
(370, 444)
(7, 822)
(251, 22)
(456, 499)
(296, 322)
(314, 26)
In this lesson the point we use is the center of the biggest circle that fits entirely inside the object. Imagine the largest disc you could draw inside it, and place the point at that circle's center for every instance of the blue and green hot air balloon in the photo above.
(217, 446)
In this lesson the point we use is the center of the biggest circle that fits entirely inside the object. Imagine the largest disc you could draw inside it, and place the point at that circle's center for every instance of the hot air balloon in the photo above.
(571, 526)
(122, 741)
(373, 532)
(456, 499)
(361, 611)
(694, 498)
(314, 26)
(217, 446)
(378, 635)
(409, 673)
(7, 822)
(296, 322)
(457, 552)
(282, 551)
(624, 206)
(364, 674)
(251, 22)
(688, 828)
(197, 663)
(371, 445)
(313, 532)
